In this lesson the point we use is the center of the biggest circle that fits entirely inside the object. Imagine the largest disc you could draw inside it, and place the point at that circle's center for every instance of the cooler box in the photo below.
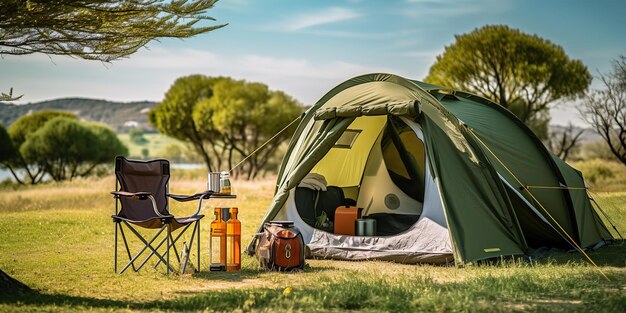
(345, 218)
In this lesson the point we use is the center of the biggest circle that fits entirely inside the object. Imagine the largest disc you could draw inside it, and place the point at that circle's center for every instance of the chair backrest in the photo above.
(139, 176)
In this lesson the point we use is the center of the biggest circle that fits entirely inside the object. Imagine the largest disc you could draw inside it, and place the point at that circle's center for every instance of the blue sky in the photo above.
(306, 47)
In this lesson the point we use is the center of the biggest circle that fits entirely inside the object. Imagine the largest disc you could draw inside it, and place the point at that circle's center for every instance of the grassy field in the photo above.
(157, 144)
(58, 239)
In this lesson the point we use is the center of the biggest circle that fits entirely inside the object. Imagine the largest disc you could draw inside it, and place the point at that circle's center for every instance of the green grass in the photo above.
(58, 239)
(157, 144)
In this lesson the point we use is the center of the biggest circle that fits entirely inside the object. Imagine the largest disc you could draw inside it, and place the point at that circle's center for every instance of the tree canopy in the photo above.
(59, 145)
(522, 72)
(246, 115)
(605, 109)
(103, 30)
(109, 146)
(19, 131)
(30, 123)
(224, 120)
(174, 116)
(7, 150)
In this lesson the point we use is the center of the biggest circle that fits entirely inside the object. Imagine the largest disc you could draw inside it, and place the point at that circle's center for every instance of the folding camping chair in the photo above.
(141, 199)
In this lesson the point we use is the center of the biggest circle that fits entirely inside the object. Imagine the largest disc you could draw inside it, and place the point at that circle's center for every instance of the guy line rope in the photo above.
(263, 145)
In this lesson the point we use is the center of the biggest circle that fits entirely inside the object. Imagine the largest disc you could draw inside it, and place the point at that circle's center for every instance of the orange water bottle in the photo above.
(233, 235)
(217, 248)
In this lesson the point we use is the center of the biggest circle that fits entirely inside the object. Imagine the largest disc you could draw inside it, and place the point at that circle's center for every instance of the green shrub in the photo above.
(595, 170)
(136, 136)
(602, 175)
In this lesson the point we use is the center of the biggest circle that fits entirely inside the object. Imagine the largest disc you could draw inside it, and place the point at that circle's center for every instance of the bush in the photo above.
(19, 132)
(595, 170)
(136, 136)
(603, 175)
(67, 148)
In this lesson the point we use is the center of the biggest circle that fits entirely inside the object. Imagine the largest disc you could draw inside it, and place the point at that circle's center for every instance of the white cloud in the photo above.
(326, 16)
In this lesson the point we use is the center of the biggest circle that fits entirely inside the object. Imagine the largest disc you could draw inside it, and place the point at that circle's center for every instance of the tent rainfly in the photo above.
(447, 175)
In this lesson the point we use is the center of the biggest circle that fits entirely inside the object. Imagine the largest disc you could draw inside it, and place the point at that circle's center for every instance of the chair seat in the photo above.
(155, 222)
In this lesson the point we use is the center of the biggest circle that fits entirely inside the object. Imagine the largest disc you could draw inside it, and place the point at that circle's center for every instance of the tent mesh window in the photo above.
(347, 139)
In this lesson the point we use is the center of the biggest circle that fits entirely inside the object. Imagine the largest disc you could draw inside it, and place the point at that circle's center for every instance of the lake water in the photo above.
(4, 174)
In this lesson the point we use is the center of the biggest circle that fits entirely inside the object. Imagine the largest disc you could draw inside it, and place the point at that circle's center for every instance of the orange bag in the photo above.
(281, 246)
(345, 218)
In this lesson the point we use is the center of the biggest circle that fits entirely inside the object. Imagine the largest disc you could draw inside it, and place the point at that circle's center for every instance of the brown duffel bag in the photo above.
(281, 246)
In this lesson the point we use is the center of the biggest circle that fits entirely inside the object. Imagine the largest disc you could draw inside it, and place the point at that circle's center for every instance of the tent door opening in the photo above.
(378, 164)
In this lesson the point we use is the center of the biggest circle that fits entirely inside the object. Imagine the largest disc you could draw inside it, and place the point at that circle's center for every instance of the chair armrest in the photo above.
(142, 195)
(198, 196)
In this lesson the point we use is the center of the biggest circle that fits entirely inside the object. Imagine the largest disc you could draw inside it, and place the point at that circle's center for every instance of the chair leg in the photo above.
(148, 245)
(174, 247)
(158, 247)
(173, 242)
(126, 245)
(193, 234)
(115, 251)
(152, 253)
(167, 251)
(198, 254)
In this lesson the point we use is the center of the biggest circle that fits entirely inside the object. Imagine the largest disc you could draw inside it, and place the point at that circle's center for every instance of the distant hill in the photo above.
(119, 115)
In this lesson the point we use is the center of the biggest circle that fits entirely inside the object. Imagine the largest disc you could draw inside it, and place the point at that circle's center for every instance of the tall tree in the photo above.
(522, 72)
(174, 116)
(224, 120)
(247, 115)
(102, 30)
(563, 143)
(605, 109)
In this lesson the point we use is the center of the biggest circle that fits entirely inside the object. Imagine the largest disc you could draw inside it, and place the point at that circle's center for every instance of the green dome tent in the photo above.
(446, 174)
